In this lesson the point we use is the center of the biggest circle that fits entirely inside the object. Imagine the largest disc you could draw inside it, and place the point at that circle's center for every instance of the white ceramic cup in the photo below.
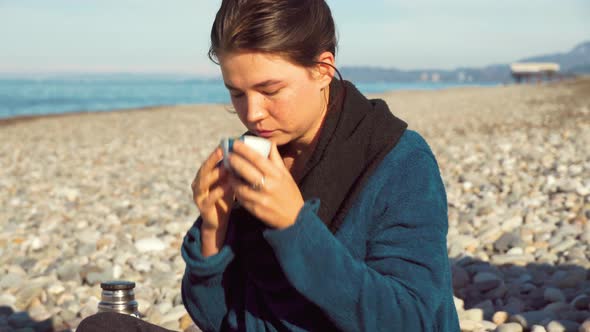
(258, 144)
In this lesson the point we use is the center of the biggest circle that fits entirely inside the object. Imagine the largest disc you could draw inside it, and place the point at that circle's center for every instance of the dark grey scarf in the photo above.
(356, 135)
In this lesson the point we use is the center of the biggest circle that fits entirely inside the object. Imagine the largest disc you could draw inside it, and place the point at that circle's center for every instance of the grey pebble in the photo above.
(538, 328)
(485, 281)
(585, 327)
(512, 259)
(562, 326)
(508, 241)
(581, 302)
(509, 327)
(570, 278)
(553, 295)
(460, 277)
(529, 318)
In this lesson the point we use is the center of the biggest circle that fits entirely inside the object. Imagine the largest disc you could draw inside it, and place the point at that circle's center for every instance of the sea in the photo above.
(42, 96)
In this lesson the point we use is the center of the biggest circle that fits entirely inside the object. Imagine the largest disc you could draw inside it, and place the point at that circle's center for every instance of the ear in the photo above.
(325, 69)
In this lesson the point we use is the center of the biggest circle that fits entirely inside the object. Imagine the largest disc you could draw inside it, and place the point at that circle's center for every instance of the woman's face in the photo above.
(275, 98)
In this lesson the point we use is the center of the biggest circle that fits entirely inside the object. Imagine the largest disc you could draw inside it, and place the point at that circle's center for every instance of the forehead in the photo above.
(246, 68)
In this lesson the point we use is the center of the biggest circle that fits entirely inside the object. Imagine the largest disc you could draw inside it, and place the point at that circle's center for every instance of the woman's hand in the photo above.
(267, 188)
(213, 195)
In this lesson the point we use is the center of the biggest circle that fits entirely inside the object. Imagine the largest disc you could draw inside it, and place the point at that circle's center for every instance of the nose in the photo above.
(255, 110)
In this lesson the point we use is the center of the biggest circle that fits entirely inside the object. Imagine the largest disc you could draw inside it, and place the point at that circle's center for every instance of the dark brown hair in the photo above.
(299, 30)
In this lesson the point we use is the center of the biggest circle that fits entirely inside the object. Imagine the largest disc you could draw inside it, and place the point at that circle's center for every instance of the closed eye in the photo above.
(236, 94)
(270, 93)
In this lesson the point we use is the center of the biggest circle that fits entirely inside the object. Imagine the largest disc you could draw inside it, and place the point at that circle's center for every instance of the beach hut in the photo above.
(533, 70)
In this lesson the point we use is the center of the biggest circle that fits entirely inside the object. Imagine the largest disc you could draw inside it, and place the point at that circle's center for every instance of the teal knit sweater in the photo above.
(386, 269)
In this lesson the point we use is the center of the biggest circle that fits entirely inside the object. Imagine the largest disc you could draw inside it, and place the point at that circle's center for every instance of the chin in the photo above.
(280, 140)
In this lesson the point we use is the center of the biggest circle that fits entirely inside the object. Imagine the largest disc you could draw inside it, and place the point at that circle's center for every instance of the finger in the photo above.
(216, 194)
(211, 195)
(204, 180)
(245, 169)
(212, 159)
(252, 201)
(244, 191)
(208, 173)
(218, 174)
(255, 158)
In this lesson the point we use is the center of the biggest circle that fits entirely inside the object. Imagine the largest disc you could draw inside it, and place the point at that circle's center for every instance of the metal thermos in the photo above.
(118, 296)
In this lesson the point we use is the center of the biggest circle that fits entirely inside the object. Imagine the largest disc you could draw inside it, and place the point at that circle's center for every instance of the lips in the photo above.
(264, 133)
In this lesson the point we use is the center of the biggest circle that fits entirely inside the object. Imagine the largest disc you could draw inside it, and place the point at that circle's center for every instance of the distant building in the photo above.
(461, 77)
(435, 77)
(533, 70)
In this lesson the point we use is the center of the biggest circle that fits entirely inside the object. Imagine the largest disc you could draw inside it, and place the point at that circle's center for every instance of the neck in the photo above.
(296, 153)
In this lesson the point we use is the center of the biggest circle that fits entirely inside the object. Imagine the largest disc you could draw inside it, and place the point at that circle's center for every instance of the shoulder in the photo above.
(408, 178)
(410, 154)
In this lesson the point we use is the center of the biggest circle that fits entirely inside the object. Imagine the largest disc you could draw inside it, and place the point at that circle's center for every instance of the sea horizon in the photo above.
(28, 95)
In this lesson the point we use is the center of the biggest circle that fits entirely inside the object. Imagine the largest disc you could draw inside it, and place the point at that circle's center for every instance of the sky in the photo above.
(172, 36)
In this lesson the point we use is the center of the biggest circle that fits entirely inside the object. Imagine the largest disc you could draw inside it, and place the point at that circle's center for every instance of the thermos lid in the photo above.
(117, 285)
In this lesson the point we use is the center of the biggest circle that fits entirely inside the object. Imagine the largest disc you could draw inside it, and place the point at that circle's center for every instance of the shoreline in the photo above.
(33, 117)
(7, 121)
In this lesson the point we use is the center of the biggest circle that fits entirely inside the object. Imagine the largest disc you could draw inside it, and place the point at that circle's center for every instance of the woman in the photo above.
(343, 226)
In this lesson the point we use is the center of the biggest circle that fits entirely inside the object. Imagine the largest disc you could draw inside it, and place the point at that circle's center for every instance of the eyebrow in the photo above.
(257, 85)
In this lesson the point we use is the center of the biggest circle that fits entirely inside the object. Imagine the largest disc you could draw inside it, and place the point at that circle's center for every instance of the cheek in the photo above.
(240, 108)
(306, 103)
(299, 109)
(279, 112)
(286, 111)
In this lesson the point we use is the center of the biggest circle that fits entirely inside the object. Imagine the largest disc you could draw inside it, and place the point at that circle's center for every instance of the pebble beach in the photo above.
(90, 197)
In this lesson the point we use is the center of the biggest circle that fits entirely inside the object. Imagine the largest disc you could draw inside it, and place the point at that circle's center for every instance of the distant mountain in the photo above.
(576, 61)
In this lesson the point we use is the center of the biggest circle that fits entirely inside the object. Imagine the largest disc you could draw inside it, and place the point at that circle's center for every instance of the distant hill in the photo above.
(571, 62)
(576, 61)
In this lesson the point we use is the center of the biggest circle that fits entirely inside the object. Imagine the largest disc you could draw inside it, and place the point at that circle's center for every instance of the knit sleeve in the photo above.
(404, 277)
(203, 293)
